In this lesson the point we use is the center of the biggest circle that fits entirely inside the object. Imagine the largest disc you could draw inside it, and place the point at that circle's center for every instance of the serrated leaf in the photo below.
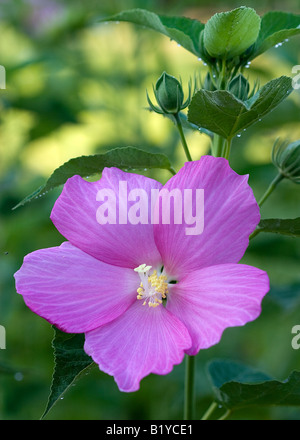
(70, 360)
(222, 113)
(236, 386)
(229, 34)
(185, 31)
(275, 28)
(289, 227)
(128, 158)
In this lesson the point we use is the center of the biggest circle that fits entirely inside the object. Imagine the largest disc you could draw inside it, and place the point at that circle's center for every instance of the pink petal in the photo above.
(143, 340)
(75, 216)
(73, 290)
(230, 215)
(211, 299)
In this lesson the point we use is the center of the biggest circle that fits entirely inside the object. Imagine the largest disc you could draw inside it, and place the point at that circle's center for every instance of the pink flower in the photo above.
(103, 280)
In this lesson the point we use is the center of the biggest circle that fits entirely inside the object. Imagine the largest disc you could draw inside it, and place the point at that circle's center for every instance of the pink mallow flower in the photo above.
(147, 294)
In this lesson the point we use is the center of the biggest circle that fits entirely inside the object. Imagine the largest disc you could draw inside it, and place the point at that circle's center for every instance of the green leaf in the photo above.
(229, 34)
(70, 360)
(289, 227)
(222, 113)
(185, 31)
(275, 28)
(236, 386)
(128, 158)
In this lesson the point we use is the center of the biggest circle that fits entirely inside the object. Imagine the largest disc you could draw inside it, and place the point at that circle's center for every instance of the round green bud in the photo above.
(169, 93)
(286, 157)
(230, 34)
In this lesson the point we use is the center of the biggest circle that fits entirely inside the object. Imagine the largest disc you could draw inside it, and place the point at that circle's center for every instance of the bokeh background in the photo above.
(74, 87)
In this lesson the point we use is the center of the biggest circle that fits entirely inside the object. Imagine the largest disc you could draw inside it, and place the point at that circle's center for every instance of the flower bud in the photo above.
(286, 157)
(239, 87)
(169, 95)
(230, 34)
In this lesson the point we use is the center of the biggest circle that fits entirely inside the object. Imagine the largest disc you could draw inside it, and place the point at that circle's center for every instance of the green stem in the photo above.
(183, 141)
(254, 233)
(209, 411)
(224, 416)
(269, 191)
(217, 146)
(271, 188)
(227, 149)
(189, 396)
(221, 147)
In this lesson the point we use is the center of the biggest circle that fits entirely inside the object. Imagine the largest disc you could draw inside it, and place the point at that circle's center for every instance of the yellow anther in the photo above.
(153, 288)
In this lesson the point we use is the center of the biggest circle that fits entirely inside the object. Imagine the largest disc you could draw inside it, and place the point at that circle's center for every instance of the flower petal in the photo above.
(73, 290)
(230, 215)
(76, 216)
(211, 299)
(143, 340)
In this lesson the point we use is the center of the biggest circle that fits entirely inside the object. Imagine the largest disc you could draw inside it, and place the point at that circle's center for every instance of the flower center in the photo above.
(153, 287)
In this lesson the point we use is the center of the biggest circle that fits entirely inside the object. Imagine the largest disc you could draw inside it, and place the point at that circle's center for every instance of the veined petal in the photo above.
(143, 340)
(73, 290)
(76, 215)
(211, 299)
(230, 215)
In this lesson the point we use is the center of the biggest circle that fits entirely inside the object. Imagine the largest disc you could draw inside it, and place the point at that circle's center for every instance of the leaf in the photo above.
(185, 31)
(222, 113)
(236, 386)
(229, 34)
(275, 28)
(128, 158)
(289, 227)
(70, 360)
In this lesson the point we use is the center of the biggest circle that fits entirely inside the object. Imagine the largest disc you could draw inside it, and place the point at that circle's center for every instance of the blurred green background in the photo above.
(74, 88)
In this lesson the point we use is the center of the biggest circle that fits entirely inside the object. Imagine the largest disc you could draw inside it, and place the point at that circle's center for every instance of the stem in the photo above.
(189, 396)
(254, 233)
(224, 416)
(209, 411)
(221, 147)
(183, 141)
(227, 149)
(271, 188)
(218, 145)
(269, 191)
